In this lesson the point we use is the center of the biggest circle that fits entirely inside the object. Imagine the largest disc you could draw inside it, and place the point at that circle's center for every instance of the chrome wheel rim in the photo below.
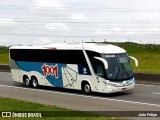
(87, 88)
(35, 83)
(27, 82)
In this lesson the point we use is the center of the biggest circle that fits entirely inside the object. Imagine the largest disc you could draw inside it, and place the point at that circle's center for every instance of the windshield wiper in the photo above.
(125, 71)
(118, 69)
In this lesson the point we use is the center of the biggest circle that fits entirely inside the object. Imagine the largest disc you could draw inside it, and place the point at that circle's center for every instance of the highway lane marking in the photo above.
(6, 73)
(156, 93)
(133, 102)
(149, 85)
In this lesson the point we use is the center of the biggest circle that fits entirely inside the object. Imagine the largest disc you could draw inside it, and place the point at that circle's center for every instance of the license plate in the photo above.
(124, 88)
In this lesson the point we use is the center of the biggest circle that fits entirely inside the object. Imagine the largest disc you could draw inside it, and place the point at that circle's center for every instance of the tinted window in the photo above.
(52, 56)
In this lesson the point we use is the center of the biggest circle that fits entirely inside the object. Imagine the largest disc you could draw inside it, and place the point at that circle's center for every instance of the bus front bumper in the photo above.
(118, 87)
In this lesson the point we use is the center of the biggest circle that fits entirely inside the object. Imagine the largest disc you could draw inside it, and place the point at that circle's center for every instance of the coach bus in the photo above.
(90, 67)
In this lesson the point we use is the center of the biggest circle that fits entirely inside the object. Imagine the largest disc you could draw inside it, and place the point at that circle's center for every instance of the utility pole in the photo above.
(82, 41)
(128, 39)
(116, 41)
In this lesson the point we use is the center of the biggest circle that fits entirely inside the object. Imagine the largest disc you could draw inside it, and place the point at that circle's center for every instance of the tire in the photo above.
(35, 82)
(27, 82)
(86, 88)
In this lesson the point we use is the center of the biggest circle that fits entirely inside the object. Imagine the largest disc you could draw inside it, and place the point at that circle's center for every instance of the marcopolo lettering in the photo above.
(50, 70)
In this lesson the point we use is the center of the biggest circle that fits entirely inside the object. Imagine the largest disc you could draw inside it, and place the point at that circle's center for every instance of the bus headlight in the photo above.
(120, 84)
(112, 84)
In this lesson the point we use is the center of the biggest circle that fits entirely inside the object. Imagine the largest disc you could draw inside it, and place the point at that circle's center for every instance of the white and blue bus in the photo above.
(89, 67)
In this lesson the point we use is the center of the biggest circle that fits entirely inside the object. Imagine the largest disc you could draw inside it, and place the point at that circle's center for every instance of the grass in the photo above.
(4, 56)
(148, 55)
(21, 106)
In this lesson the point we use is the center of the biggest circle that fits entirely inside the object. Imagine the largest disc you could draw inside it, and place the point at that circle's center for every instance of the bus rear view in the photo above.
(88, 67)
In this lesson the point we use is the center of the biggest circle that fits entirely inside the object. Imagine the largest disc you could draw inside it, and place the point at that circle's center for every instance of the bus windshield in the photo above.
(119, 66)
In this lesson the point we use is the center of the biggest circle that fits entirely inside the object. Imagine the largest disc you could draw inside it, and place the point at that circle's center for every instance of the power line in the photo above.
(91, 29)
(88, 22)
(109, 9)
(59, 35)
(102, 27)
(102, 20)
(29, 20)
(84, 22)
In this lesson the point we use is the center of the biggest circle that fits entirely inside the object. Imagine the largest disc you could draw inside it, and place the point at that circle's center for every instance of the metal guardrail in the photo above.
(147, 78)
(140, 77)
(5, 68)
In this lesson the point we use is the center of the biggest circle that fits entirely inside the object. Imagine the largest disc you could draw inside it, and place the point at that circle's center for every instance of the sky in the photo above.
(28, 22)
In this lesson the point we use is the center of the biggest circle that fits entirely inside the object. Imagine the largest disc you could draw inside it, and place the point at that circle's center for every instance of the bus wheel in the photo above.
(27, 82)
(86, 88)
(35, 82)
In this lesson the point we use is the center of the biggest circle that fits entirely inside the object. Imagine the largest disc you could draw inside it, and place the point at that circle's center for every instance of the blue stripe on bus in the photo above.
(37, 66)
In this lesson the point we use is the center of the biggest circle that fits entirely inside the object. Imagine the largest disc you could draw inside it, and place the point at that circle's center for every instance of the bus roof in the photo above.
(97, 47)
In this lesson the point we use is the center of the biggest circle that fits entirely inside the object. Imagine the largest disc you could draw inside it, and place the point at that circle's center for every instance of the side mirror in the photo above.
(102, 60)
(135, 59)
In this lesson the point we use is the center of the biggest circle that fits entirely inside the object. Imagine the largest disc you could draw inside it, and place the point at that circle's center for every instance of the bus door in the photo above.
(100, 75)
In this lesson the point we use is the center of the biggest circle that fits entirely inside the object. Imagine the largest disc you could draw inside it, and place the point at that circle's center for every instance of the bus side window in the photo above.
(98, 66)
(99, 69)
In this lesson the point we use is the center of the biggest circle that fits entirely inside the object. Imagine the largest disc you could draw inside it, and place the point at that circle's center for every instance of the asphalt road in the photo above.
(142, 98)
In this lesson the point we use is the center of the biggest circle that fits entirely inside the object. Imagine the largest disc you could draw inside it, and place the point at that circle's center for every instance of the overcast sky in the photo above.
(30, 22)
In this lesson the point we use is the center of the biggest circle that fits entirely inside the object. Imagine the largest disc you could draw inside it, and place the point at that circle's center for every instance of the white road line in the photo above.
(149, 85)
(156, 93)
(133, 102)
(5, 73)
